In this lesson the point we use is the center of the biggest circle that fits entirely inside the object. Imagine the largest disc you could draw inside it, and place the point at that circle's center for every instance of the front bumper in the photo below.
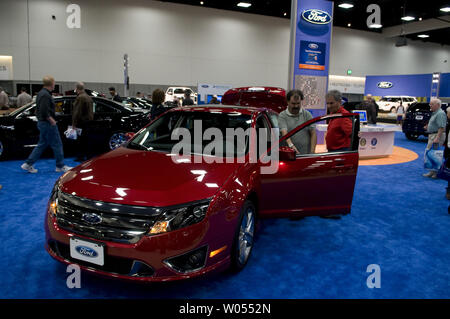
(145, 260)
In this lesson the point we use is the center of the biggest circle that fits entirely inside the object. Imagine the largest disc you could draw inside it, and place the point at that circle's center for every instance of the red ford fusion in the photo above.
(144, 213)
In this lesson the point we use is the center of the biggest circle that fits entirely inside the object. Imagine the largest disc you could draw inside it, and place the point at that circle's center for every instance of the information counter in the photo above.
(375, 140)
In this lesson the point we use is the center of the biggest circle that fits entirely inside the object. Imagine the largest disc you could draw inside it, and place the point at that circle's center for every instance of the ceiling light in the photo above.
(201, 2)
(423, 36)
(285, 14)
(408, 18)
(445, 9)
(349, 25)
(345, 5)
(420, 19)
(244, 4)
(375, 26)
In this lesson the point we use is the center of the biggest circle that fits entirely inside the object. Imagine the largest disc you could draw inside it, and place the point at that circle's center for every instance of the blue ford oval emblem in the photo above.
(92, 218)
(374, 141)
(86, 251)
(385, 85)
(316, 16)
(205, 86)
(313, 46)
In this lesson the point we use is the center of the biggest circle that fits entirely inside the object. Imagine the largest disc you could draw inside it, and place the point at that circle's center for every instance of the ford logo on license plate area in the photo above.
(86, 251)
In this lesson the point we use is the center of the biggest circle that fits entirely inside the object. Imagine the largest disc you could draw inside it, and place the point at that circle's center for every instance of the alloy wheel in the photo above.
(246, 233)
(116, 140)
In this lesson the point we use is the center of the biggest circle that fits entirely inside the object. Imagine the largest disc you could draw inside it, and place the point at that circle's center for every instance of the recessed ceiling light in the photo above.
(445, 9)
(375, 26)
(345, 5)
(349, 25)
(285, 14)
(244, 4)
(420, 19)
(423, 36)
(408, 18)
(201, 2)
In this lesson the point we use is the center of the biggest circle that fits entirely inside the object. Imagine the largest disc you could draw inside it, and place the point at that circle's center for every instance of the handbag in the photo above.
(433, 158)
(71, 133)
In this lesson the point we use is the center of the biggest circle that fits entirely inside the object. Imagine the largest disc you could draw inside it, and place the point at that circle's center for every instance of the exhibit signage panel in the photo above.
(6, 67)
(311, 27)
(417, 85)
(207, 91)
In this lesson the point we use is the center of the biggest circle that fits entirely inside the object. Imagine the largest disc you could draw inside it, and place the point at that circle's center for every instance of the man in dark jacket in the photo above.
(48, 130)
(372, 109)
(158, 108)
(187, 98)
(114, 95)
(82, 115)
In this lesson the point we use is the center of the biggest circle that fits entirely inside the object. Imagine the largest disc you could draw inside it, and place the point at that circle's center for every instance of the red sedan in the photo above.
(142, 212)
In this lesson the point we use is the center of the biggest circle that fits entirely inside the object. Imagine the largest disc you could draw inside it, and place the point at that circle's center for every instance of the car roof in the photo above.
(221, 108)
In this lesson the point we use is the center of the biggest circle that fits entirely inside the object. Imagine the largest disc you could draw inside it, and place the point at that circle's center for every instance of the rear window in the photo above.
(418, 107)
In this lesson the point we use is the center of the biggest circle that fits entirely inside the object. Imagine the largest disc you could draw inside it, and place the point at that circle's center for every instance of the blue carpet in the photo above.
(399, 221)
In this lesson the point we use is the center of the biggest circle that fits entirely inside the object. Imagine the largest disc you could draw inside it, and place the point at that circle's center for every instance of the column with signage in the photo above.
(311, 28)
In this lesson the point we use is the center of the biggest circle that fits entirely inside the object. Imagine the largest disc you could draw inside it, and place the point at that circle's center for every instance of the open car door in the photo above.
(314, 183)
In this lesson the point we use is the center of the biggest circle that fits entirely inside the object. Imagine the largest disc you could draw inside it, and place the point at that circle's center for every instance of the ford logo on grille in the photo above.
(91, 218)
(385, 85)
(316, 16)
(313, 46)
(86, 251)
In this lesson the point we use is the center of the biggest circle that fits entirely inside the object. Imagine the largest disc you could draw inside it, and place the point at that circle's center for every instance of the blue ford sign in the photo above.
(316, 16)
(86, 251)
(385, 85)
(92, 218)
(313, 46)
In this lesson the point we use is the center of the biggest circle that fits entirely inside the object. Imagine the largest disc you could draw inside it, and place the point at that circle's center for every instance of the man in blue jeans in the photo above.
(48, 130)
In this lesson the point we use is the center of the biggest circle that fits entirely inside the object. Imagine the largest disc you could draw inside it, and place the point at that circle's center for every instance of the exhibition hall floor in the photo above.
(399, 221)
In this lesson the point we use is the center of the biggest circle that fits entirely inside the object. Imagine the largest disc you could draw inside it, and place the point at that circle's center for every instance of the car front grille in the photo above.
(104, 221)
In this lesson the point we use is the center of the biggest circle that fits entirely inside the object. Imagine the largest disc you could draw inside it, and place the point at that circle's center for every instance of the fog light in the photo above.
(189, 262)
(159, 227)
(216, 252)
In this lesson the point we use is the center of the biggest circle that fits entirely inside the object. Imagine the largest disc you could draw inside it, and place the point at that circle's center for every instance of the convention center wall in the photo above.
(172, 44)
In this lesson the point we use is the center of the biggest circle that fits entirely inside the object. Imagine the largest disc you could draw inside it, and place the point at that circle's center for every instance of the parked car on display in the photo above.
(271, 97)
(137, 102)
(416, 118)
(176, 91)
(391, 103)
(139, 213)
(19, 133)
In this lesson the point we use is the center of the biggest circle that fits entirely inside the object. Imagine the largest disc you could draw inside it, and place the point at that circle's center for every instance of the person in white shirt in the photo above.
(23, 98)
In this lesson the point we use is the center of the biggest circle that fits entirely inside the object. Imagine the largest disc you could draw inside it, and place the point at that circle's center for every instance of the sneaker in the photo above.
(64, 169)
(429, 174)
(28, 168)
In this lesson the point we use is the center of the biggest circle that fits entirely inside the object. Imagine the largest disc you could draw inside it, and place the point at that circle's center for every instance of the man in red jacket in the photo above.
(339, 131)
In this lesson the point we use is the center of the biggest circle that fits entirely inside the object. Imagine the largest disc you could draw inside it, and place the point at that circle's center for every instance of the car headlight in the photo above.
(53, 202)
(179, 217)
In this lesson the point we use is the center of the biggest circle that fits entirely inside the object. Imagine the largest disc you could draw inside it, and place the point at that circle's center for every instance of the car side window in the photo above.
(68, 107)
(31, 111)
(100, 107)
(59, 107)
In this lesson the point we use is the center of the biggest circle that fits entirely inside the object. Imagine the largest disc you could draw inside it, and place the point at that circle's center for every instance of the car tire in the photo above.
(116, 140)
(244, 236)
(411, 136)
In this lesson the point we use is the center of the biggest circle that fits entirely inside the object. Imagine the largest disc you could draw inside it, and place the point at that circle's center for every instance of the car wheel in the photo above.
(117, 139)
(411, 136)
(244, 237)
(393, 109)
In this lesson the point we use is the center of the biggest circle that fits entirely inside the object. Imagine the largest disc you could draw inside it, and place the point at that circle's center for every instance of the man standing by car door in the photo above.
(48, 130)
(303, 142)
(339, 132)
(81, 116)
(435, 129)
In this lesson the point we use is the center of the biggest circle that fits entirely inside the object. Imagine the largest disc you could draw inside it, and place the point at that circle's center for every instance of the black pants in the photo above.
(84, 148)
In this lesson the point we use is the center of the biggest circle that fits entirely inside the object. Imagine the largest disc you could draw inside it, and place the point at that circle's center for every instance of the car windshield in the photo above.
(181, 91)
(222, 126)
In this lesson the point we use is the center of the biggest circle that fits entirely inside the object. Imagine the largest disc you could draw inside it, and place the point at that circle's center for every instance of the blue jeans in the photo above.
(48, 136)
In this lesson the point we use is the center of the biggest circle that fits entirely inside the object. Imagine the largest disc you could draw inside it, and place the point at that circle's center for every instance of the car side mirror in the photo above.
(287, 154)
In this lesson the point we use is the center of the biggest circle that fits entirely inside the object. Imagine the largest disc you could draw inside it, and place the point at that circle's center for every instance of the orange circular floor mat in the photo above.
(399, 155)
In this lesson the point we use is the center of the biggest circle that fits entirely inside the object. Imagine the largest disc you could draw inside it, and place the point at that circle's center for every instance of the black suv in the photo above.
(416, 118)
(19, 132)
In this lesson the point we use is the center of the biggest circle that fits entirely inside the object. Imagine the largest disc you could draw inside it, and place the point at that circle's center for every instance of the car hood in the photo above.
(134, 177)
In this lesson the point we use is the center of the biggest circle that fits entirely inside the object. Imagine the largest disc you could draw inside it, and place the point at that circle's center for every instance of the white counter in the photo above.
(375, 140)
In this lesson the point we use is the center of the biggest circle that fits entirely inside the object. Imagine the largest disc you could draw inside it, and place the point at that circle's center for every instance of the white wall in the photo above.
(179, 44)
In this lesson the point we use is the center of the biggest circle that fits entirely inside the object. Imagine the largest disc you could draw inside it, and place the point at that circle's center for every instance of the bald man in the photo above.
(435, 129)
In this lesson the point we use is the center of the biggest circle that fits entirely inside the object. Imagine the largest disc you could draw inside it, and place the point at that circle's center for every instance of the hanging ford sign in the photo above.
(385, 85)
(316, 16)
(313, 46)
